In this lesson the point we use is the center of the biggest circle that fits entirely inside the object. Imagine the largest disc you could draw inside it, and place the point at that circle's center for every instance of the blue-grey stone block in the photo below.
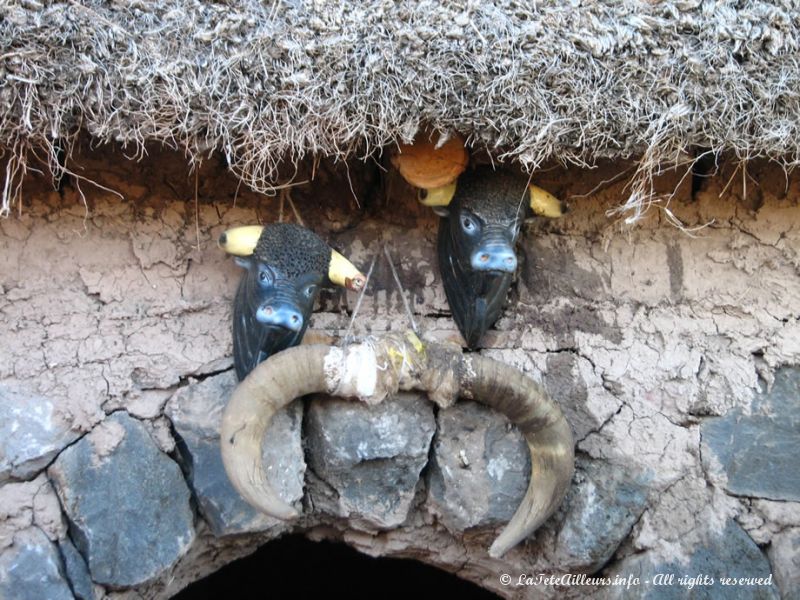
(31, 434)
(370, 457)
(600, 511)
(784, 556)
(730, 554)
(76, 570)
(758, 452)
(127, 503)
(31, 569)
(480, 468)
(196, 413)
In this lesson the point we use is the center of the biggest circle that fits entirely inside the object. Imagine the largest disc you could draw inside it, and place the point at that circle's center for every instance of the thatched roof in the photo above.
(264, 81)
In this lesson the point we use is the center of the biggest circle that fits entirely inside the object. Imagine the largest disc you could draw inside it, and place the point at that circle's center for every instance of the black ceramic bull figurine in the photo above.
(477, 234)
(285, 265)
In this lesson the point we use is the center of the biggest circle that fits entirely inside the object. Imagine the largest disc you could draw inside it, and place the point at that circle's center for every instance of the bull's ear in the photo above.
(544, 203)
(243, 262)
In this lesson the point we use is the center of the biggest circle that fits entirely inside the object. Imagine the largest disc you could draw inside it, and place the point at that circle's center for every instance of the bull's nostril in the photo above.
(268, 310)
(509, 260)
(484, 257)
(295, 319)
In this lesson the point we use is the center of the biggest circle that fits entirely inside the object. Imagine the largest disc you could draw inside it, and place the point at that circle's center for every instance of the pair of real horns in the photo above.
(379, 367)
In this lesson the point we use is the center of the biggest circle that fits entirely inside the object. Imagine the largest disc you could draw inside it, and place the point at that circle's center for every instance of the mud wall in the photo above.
(674, 355)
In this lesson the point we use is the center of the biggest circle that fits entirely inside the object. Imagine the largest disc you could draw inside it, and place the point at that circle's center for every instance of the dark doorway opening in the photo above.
(294, 567)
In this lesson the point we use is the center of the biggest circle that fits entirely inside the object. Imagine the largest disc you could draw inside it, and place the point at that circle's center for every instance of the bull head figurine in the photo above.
(285, 265)
(482, 212)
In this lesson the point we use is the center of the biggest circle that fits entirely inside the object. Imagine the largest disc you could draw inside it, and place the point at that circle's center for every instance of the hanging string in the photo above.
(347, 338)
(400, 289)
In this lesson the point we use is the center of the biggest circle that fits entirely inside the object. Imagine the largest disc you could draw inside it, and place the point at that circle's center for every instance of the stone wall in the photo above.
(674, 355)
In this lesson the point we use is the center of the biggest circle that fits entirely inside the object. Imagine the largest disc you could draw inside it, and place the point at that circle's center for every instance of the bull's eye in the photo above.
(309, 291)
(265, 276)
(468, 224)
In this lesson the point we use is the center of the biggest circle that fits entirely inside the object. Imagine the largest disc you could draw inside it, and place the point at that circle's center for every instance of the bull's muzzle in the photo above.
(280, 314)
(494, 251)
(499, 257)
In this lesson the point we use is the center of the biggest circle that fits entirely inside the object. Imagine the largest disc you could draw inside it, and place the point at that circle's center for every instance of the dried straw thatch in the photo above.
(265, 81)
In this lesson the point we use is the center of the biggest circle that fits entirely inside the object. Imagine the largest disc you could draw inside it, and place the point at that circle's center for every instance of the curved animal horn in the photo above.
(269, 387)
(408, 364)
(526, 404)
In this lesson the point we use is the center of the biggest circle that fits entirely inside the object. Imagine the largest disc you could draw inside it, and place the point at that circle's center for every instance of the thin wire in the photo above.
(524, 193)
(347, 338)
(400, 288)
